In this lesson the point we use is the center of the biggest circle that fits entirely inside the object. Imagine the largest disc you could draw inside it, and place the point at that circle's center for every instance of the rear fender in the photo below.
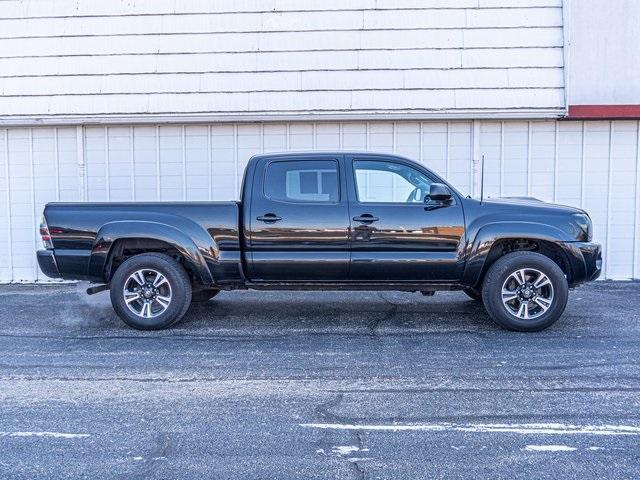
(192, 253)
(478, 249)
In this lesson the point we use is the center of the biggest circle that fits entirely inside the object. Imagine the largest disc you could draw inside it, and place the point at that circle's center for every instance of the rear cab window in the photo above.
(306, 181)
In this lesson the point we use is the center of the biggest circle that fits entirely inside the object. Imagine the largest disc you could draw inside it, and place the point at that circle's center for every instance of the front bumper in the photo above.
(47, 263)
(586, 261)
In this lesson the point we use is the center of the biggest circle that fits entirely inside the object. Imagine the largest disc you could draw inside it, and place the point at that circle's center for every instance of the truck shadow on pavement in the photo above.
(368, 313)
(290, 312)
(69, 310)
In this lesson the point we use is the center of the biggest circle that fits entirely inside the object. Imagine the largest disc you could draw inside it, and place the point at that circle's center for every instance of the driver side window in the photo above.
(389, 182)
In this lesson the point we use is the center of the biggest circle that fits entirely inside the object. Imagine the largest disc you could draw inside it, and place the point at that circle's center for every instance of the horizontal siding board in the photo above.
(423, 100)
(516, 37)
(285, 61)
(282, 22)
(519, 98)
(22, 9)
(281, 41)
(170, 83)
(515, 57)
(514, 17)
(533, 77)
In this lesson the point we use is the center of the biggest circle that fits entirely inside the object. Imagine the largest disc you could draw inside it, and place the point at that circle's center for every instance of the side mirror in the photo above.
(439, 192)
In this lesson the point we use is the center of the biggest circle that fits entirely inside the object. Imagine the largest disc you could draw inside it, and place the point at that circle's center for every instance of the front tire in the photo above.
(150, 291)
(525, 292)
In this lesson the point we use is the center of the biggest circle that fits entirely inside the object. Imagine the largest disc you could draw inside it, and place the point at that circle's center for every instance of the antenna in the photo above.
(482, 179)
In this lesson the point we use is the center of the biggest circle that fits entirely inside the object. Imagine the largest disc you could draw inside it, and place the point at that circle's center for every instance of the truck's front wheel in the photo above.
(150, 291)
(525, 291)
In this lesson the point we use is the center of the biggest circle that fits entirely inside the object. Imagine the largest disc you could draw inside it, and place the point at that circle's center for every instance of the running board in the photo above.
(98, 289)
(403, 287)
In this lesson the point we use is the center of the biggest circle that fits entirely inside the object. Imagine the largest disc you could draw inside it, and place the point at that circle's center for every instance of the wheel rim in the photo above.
(147, 293)
(527, 293)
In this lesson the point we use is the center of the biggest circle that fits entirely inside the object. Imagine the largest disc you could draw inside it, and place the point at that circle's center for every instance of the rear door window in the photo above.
(313, 181)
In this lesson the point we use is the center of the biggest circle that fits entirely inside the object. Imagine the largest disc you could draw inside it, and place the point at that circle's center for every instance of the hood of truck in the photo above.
(530, 203)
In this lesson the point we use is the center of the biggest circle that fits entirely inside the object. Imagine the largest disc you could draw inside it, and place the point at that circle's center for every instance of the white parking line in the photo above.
(44, 434)
(522, 428)
(549, 448)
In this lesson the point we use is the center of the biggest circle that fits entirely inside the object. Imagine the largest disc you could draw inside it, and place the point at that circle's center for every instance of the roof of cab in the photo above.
(310, 154)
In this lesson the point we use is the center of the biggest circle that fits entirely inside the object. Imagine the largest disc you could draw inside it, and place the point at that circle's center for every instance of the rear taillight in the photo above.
(46, 236)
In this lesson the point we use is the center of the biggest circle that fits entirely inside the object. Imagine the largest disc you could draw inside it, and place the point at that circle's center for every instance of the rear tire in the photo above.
(150, 291)
(203, 295)
(525, 292)
(473, 294)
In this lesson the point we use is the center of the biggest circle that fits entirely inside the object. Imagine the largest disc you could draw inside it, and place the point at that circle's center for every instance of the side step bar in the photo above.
(98, 289)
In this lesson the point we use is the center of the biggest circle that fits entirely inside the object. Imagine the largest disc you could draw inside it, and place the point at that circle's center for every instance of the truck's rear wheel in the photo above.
(525, 291)
(150, 291)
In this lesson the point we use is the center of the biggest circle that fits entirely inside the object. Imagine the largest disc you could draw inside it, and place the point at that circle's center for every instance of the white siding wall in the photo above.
(594, 165)
(262, 58)
(604, 52)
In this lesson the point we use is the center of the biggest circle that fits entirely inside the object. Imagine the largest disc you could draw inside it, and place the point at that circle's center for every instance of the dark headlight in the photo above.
(583, 222)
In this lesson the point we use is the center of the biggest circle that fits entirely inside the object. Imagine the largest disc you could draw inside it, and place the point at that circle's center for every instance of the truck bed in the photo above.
(83, 234)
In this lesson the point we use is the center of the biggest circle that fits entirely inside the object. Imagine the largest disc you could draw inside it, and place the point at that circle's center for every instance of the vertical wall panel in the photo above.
(515, 162)
(407, 140)
(301, 136)
(569, 166)
(171, 167)
(460, 163)
(22, 227)
(68, 171)
(596, 178)
(593, 165)
(6, 240)
(622, 192)
(434, 146)
(491, 147)
(354, 136)
(542, 161)
(145, 177)
(197, 162)
(223, 153)
(119, 163)
(96, 164)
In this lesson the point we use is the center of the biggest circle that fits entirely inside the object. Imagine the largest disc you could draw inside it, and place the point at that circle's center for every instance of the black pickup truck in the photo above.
(326, 220)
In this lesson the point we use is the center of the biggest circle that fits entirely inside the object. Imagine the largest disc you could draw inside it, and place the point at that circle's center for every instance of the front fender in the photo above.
(478, 248)
(142, 229)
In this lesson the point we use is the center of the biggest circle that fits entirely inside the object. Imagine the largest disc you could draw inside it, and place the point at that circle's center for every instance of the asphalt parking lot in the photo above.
(318, 385)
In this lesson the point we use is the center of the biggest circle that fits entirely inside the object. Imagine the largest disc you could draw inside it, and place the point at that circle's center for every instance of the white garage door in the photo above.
(593, 165)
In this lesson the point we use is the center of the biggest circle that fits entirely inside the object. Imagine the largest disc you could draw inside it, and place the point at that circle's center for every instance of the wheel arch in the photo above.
(496, 240)
(115, 239)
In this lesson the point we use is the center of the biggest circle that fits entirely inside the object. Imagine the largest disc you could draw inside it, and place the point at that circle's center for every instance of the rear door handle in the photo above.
(269, 217)
(366, 218)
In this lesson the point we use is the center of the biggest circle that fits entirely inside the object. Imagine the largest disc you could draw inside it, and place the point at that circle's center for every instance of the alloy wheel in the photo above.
(527, 293)
(147, 293)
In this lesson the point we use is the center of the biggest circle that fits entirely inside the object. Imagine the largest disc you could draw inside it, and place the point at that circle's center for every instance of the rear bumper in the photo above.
(47, 263)
(586, 261)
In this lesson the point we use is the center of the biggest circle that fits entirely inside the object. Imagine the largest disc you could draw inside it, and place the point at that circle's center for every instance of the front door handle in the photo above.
(269, 218)
(366, 218)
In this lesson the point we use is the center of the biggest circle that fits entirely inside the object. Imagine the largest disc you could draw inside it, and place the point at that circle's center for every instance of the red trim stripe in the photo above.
(604, 111)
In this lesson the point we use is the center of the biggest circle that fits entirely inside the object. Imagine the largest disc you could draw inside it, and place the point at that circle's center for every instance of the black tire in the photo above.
(203, 295)
(473, 294)
(498, 274)
(177, 279)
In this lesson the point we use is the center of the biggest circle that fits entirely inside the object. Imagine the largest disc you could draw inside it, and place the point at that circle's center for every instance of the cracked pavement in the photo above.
(318, 385)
